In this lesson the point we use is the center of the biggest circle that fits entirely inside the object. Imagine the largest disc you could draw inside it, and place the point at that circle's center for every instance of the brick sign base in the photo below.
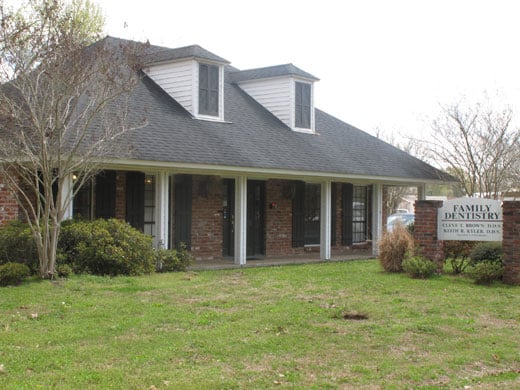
(425, 235)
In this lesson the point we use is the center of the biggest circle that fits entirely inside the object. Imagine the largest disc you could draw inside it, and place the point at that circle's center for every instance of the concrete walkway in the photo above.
(227, 263)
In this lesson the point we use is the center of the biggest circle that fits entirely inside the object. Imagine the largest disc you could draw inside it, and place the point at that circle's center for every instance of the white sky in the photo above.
(382, 64)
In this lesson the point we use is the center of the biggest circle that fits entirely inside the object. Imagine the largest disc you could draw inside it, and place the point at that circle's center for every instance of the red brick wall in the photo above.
(511, 242)
(339, 220)
(425, 229)
(384, 211)
(278, 219)
(8, 206)
(206, 223)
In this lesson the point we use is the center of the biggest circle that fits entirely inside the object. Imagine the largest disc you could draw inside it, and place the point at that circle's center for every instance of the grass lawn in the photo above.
(261, 328)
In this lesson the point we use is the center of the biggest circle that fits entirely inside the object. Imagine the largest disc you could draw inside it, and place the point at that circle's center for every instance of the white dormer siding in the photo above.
(274, 94)
(277, 94)
(180, 80)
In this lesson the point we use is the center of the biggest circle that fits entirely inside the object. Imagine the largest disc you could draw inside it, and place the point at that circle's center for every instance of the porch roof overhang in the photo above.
(261, 173)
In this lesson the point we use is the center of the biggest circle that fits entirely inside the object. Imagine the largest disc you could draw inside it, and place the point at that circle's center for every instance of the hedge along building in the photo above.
(240, 164)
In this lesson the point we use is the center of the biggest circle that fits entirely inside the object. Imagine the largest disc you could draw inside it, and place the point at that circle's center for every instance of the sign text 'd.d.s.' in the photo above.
(470, 219)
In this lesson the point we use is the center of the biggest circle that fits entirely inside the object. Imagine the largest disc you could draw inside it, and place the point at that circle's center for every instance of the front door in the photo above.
(255, 218)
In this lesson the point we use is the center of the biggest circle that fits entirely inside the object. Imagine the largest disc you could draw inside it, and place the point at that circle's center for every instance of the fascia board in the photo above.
(262, 173)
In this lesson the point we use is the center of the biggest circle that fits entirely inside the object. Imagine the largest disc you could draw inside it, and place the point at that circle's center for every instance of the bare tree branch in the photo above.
(478, 146)
(63, 107)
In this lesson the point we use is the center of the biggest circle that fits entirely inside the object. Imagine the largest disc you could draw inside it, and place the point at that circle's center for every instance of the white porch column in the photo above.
(162, 211)
(240, 220)
(325, 216)
(377, 217)
(67, 192)
(421, 192)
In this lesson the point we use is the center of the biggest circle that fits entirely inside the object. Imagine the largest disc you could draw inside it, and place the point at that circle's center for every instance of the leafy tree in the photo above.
(62, 108)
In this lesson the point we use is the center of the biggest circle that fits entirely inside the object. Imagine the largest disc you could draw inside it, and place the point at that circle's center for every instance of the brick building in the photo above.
(240, 164)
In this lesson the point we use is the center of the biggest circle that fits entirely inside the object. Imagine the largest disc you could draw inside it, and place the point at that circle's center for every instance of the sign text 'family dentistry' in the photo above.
(470, 219)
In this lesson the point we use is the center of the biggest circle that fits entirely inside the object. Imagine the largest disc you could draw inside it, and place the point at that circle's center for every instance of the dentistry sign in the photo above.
(470, 219)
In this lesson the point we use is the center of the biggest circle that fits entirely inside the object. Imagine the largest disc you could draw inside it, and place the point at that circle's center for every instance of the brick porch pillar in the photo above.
(425, 230)
(511, 242)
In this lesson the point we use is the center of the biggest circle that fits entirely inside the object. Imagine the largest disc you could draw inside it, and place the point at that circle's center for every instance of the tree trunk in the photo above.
(46, 238)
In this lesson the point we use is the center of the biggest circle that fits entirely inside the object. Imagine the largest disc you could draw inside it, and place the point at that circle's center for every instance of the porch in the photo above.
(308, 258)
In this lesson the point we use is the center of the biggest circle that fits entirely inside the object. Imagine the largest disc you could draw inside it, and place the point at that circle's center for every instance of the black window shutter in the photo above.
(213, 90)
(106, 195)
(183, 208)
(135, 199)
(306, 106)
(203, 88)
(302, 105)
(298, 214)
(333, 213)
(297, 104)
(347, 198)
(208, 89)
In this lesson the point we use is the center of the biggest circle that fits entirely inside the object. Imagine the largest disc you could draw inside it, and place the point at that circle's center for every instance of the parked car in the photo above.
(406, 219)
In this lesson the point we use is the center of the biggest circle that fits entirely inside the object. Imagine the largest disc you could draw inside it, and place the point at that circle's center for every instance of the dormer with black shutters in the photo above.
(191, 75)
(285, 90)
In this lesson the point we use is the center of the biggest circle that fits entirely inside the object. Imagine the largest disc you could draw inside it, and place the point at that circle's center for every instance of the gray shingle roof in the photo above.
(252, 137)
(160, 54)
(153, 54)
(270, 71)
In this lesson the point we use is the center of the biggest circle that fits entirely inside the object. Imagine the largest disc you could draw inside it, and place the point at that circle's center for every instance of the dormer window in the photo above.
(193, 76)
(285, 90)
(209, 90)
(302, 105)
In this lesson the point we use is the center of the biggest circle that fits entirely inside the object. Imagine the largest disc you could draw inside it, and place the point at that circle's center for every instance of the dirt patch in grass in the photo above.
(487, 321)
(354, 316)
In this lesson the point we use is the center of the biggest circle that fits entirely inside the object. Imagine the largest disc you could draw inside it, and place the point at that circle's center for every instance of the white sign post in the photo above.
(470, 219)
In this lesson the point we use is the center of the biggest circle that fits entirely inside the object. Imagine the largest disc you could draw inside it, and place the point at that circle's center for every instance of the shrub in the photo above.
(171, 260)
(411, 228)
(487, 251)
(485, 272)
(185, 257)
(419, 267)
(106, 247)
(63, 270)
(457, 254)
(17, 245)
(12, 274)
(393, 247)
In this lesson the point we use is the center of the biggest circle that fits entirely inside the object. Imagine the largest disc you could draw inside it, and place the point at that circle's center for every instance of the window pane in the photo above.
(203, 101)
(149, 205)
(306, 117)
(213, 102)
(149, 198)
(82, 202)
(148, 214)
(203, 76)
(359, 214)
(213, 77)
